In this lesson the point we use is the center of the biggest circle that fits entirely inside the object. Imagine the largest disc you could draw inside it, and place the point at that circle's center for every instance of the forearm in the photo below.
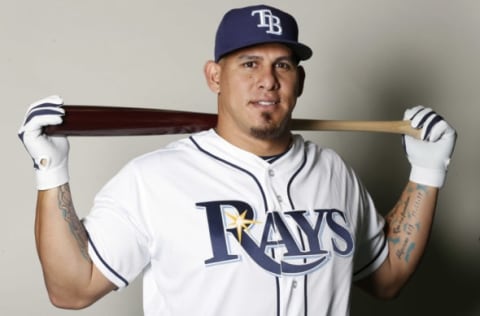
(62, 246)
(408, 228)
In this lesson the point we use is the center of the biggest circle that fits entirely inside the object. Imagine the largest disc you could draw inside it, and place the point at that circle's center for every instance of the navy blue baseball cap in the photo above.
(259, 24)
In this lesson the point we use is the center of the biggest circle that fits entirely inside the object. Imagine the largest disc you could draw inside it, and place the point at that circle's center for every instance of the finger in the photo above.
(411, 112)
(44, 111)
(442, 130)
(435, 128)
(53, 100)
(40, 121)
(421, 117)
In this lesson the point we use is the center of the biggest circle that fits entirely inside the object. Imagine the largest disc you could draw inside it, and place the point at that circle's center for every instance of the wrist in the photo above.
(427, 176)
(52, 177)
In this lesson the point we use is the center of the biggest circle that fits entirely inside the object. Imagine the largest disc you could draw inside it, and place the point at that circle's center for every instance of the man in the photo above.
(246, 218)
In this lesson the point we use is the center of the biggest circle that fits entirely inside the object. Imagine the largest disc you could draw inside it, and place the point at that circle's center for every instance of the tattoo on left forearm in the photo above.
(403, 222)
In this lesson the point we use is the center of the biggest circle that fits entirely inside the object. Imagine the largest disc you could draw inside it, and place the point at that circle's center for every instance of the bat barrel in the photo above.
(82, 120)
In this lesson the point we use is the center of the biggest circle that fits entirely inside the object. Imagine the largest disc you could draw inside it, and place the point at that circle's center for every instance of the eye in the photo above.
(249, 64)
(283, 65)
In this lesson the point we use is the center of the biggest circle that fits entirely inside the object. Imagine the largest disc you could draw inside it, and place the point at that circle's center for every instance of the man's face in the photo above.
(257, 91)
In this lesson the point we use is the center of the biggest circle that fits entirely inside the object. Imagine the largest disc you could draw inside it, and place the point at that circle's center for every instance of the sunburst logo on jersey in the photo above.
(240, 223)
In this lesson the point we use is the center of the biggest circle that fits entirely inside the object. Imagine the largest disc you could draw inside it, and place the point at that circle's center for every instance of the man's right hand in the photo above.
(49, 153)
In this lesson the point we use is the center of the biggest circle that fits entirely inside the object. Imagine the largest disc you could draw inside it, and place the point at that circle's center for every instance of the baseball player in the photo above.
(243, 219)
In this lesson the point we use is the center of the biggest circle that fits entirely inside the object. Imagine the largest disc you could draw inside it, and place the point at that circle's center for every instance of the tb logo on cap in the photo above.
(268, 20)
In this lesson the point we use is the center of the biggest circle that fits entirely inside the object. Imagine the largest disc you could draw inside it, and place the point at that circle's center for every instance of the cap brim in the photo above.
(301, 51)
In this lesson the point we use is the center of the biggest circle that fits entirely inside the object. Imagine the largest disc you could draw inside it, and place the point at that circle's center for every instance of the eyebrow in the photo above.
(289, 58)
(248, 57)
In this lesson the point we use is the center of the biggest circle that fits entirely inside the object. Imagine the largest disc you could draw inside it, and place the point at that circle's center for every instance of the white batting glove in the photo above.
(49, 153)
(429, 157)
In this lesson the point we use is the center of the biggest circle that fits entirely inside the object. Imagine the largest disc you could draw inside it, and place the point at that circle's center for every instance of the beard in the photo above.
(270, 130)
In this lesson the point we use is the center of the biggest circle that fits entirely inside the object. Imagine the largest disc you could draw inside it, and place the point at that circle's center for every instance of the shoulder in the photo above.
(173, 150)
(182, 152)
(321, 153)
(328, 163)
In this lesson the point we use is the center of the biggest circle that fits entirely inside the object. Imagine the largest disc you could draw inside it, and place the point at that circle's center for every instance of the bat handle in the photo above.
(396, 127)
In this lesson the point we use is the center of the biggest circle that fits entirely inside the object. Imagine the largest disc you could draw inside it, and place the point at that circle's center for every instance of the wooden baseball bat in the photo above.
(81, 120)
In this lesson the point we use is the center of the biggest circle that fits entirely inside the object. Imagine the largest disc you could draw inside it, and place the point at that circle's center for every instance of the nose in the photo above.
(268, 79)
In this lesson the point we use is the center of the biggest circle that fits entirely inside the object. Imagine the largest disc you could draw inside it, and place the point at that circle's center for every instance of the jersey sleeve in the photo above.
(118, 242)
(372, 247)
(371, 244)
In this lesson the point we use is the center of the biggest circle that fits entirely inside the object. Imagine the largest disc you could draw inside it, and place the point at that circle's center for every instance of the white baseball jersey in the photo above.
(216, 230)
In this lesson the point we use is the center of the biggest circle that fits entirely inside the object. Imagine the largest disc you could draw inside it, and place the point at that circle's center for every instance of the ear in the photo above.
(212, 75)
(301, 80)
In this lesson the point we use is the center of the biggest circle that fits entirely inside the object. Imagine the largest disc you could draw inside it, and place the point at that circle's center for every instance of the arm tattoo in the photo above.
(77, 229)
(403, 222)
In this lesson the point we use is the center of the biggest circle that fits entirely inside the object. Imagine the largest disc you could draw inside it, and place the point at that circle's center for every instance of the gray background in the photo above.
(372, 59)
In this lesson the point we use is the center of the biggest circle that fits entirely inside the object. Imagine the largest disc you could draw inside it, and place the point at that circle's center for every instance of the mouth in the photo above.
(265, 103)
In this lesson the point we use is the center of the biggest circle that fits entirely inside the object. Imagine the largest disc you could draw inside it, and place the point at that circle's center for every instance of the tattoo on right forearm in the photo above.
(76, 227)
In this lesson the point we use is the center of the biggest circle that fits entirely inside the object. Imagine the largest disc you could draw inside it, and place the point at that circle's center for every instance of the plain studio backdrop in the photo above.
(372, 60)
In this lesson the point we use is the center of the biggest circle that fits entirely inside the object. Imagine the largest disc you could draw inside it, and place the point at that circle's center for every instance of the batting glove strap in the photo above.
(48, 178)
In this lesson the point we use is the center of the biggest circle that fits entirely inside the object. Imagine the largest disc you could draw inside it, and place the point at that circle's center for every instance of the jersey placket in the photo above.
(291, 296)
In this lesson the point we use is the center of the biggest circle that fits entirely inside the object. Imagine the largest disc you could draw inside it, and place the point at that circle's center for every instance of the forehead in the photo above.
(269, 50)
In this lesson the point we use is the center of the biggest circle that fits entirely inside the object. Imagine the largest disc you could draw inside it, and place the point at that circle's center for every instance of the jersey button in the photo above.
(271, 173)
(294, 284)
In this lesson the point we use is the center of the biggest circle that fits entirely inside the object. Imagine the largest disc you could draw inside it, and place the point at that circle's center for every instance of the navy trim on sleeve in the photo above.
(105, 263)
(374, 258)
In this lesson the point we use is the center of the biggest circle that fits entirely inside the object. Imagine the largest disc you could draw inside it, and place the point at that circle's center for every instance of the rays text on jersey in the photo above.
(285, 243)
